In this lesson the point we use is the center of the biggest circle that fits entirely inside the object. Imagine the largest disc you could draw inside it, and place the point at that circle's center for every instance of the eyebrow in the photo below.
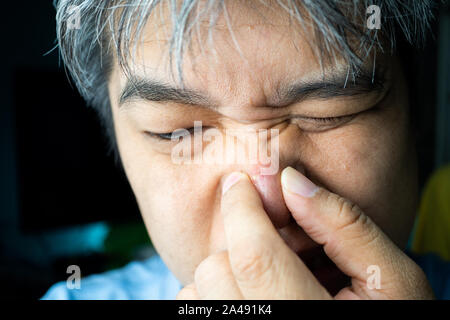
(146, 89)
(337, 85)
(334, 86)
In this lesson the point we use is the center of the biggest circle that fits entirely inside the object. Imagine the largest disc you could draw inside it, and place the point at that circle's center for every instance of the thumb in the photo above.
(350, 238)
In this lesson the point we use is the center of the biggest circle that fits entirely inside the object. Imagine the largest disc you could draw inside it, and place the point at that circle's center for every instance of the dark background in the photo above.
(59, 186)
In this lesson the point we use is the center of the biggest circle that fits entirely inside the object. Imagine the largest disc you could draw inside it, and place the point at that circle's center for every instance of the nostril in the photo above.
(269, 188)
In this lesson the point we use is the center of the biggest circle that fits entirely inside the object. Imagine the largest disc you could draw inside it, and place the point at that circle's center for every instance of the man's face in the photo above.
(272, 80)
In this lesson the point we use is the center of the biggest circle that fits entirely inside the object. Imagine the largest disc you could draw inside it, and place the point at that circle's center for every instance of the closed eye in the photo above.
(327, 120)
(319, 124)
(174, 135)
(183, 132)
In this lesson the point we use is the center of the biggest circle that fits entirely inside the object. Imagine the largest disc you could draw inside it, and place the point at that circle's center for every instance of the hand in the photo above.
(259, 264)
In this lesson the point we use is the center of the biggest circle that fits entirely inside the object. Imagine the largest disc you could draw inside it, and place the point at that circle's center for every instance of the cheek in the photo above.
(176, 198)
(178, 203)
(347, 165)
(368, 162)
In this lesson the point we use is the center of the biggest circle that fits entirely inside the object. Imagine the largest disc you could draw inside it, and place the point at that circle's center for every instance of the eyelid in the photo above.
(336, 119)
(320, 122)
(168, 135)
(328, 119)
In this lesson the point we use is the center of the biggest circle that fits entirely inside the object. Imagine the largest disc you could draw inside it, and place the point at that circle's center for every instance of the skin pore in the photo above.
(366, 156)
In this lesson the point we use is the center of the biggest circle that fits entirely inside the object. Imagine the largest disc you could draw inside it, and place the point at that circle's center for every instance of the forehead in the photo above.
(249, 52)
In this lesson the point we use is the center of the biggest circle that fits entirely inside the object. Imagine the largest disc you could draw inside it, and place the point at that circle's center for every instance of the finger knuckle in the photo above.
(330, 197)
(251, 262)
(187, 293)
(349, 214)
(357, 225)
(208, 267)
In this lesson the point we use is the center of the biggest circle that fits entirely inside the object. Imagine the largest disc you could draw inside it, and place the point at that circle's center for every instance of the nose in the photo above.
(285, 150)
(269, 189)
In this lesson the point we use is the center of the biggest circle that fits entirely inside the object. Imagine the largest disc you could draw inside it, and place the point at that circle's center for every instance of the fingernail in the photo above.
(230, 181)
(295, 182)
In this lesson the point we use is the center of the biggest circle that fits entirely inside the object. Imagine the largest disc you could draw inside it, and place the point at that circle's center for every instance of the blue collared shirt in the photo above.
(152, 280)
(138, 280)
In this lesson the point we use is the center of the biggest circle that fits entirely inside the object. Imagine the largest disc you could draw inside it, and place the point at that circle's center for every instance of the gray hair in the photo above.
(109, 30)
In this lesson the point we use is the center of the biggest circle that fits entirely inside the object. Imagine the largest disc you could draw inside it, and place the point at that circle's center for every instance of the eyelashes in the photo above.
(180, 133)
(327, 120)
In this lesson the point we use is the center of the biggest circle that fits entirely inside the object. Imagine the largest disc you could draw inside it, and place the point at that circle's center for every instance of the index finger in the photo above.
(263, 265)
